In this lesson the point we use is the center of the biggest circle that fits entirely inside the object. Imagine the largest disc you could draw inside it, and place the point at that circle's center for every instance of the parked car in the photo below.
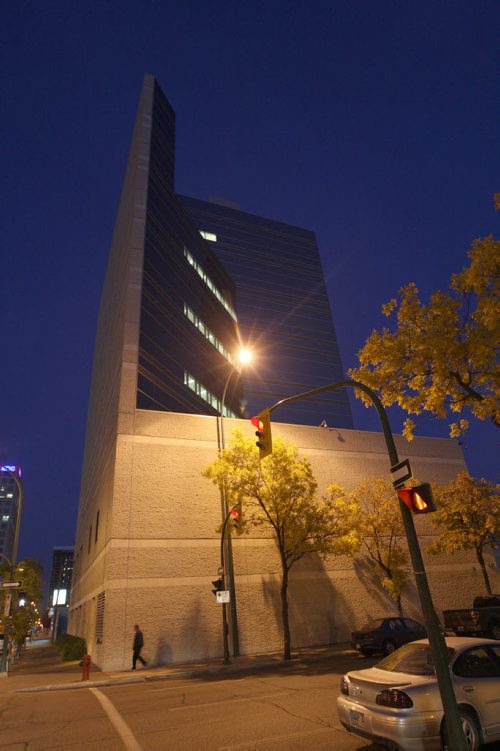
(386, 634)
(397, 702)
(483, 619)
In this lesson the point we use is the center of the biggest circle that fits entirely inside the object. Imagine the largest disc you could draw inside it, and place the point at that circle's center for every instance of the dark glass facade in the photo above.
(260, 283)
(187, 327)
(62, 570)
(283, 310)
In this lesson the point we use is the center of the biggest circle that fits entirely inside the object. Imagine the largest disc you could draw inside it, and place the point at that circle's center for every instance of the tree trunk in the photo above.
(480, 558)
(287, 655)
(400, 606)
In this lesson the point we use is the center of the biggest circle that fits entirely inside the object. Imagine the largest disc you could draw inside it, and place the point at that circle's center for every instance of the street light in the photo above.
(12, 565)
(244, 357)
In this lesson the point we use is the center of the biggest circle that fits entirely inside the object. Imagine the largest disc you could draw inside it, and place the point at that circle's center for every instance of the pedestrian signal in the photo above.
(419, 499)
(264, 442)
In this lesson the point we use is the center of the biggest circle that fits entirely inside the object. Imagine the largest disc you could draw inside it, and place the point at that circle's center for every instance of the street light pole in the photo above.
(436, 640)
(228, 542)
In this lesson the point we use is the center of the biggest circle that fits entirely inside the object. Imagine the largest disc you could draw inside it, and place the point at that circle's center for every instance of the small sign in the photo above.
(222, 596)
(10, 585)
(401, 472)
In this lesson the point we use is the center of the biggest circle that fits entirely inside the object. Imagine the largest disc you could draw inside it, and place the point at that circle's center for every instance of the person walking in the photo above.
(137, 646)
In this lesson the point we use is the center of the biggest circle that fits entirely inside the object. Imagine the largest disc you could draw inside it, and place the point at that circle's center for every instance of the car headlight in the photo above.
(344, 686)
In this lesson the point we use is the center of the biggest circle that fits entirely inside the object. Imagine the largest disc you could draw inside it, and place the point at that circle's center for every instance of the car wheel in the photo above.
(367, 652)
(494, 631)
(388, 647)
(471, 731)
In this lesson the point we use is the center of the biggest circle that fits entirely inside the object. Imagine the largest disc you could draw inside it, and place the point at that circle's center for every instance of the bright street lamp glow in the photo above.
(244, 356)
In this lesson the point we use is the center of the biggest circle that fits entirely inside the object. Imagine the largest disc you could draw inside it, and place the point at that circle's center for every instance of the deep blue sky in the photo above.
(374, 123)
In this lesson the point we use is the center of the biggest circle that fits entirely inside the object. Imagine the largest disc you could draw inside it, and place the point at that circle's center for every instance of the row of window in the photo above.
(96, 532)
(198, 388)
(211, 286)
(208, 334)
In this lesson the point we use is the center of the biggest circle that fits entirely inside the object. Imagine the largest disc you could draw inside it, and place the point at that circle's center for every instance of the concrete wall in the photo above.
(162, 549)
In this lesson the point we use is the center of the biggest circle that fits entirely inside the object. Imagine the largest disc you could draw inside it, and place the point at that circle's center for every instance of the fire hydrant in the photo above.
(85, 666)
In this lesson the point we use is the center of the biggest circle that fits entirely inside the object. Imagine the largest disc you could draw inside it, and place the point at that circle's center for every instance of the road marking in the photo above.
(121, 727)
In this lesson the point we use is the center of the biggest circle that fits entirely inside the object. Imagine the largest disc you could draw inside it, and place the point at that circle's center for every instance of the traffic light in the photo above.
(219, 586)
(419, 499)
(235, 517)
(262, 422)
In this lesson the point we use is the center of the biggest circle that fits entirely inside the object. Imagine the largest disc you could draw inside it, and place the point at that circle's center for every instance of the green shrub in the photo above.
(70, 647)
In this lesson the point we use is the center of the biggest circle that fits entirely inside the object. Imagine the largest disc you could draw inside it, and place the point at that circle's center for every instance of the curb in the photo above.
(195, 673)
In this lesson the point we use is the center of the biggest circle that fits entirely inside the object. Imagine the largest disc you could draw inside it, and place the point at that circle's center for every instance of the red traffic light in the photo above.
(257, 423)
(262, 422)
(235, 517)
(419, 499)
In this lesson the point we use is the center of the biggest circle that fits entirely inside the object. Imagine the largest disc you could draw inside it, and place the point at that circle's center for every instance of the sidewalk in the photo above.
(39, 669)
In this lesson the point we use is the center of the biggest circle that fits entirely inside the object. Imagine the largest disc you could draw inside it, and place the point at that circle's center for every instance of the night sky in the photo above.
(373, 123)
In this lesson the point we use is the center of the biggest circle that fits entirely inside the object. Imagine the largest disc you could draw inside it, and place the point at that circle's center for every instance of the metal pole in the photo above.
(12, 565)
(436, 640)
(222, 574)
(224, 606)
(229, 544)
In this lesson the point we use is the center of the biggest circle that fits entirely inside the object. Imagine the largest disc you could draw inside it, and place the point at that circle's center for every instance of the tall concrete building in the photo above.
(147, 546)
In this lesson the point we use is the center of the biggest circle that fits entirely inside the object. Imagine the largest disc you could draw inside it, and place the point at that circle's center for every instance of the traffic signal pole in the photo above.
(233, 611)
(456, 738)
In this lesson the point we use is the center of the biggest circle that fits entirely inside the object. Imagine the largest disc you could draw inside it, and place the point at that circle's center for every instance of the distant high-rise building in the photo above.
(61, 575)
(10, 509)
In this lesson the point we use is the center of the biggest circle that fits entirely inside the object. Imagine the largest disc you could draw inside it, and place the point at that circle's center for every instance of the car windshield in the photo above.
(372, 625)
(415, 659)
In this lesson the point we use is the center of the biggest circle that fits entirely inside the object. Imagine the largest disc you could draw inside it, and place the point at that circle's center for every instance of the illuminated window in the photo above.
(10, 495)
(208, 334)
(206, 395)
(211, 286)
(208, 236)
(5, 518)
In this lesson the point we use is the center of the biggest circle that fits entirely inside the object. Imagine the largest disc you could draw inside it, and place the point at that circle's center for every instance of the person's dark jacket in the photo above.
(138, 641)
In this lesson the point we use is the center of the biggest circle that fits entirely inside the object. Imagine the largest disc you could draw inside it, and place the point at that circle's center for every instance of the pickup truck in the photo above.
(483, 619)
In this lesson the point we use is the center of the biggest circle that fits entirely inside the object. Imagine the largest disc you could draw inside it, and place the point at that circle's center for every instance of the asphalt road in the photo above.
(279, 710)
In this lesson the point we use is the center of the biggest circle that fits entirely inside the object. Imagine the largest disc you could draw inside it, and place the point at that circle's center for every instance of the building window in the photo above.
(206, 395)
(211, 286)
(208, 236)
(90, 538)
(96, 526)
(99, 620)
(191, 315)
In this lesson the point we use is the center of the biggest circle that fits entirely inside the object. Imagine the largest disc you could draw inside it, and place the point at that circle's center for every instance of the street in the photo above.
(286, 707)
(279, 709)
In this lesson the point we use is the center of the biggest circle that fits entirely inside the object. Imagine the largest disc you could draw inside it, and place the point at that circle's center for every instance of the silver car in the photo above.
(397, 703)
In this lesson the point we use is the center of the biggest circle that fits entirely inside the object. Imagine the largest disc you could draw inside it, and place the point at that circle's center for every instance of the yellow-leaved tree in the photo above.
(442, 357)
(374, 513)
(25, 602)
(280, 492)
(467, 518)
